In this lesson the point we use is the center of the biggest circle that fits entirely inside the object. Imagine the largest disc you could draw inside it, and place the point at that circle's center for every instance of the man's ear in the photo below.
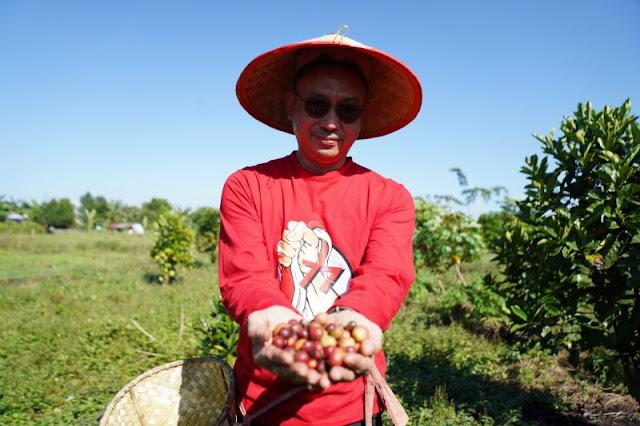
(289, 103)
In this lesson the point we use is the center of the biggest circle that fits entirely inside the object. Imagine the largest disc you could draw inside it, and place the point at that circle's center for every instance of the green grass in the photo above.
(68, 342)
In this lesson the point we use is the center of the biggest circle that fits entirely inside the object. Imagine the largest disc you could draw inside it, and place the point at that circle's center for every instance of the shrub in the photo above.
(220, 333)
(571, 258)
(443, 238)
(206, 221)
(171, 250)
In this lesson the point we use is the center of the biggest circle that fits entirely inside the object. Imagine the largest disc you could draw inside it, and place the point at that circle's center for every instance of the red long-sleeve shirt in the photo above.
(358, 254)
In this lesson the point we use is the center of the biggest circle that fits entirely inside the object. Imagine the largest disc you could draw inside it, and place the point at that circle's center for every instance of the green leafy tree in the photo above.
(206, 221)
(88, 203)
(171, 249)
(153, 209)
(443, 238)
(469, 195)
(571, 260)
(56, 213)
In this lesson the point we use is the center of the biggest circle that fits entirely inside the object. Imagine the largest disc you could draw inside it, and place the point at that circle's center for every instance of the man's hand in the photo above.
(281, 361)
(260, 327)
(357, 364)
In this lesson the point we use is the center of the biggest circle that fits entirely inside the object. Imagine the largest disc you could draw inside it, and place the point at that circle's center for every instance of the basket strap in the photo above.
(373, 382)
(395, 410)
(246, 421)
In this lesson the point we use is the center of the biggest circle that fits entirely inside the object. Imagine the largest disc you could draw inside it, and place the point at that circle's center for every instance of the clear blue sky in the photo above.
(136, 99)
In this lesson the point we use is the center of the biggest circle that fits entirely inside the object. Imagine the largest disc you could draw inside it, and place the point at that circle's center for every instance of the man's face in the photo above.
(323, 143)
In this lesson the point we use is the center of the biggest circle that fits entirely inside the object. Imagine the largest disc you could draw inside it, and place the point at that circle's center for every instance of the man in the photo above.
(315, 232)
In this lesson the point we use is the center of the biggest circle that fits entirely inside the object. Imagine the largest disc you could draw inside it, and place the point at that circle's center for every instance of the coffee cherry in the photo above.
(360, 333)
(336, 358)
(301, 356)
(276, 331)
(328, 340)
(303, 333)
(345, 342)
(278, 342)
(315, 331)
(350, 325)
(313, 363)
(299, 344)
(285, 332)
(316, 354)
(308, 346)
(322, 318)
(296, 328)
(337, 331)
(328, 350)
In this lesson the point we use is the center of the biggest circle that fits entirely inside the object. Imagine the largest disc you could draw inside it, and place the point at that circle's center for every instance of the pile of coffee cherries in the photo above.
(322, 344)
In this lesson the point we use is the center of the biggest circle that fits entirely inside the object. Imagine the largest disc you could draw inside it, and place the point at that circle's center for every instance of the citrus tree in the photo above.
(572, 257)
(172, 246)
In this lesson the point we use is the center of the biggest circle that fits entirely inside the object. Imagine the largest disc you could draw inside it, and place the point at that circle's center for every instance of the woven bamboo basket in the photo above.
(189, 392)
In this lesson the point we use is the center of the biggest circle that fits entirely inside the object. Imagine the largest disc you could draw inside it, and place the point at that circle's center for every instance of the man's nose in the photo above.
(331, 120)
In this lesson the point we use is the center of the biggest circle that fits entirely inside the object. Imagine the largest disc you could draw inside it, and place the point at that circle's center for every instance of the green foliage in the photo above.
(21, 228)
(443, 238)
(99, 211)
(93, 209)
(477, 301)
(155, 208)
(220, 333)
(171, 250)
(206, 221)
(56, 213)
(494, 224)
(571, 258)
(68, 342)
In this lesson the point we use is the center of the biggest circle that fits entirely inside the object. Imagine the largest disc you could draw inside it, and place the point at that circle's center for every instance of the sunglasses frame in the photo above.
(337, 109)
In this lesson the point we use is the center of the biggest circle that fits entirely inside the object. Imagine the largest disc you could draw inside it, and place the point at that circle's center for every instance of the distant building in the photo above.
(15, 217)
(131, 228)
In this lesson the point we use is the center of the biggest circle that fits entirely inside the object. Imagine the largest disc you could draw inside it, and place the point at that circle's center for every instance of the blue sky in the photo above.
(136, 99)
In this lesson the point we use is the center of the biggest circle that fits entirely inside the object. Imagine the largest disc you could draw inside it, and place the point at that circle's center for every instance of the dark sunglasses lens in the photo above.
(348, 113)
(316, 108)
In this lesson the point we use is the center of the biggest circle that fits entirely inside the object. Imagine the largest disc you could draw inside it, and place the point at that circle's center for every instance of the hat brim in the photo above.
(395, 94)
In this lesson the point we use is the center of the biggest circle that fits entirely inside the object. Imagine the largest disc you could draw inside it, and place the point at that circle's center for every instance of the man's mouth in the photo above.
(328, 139)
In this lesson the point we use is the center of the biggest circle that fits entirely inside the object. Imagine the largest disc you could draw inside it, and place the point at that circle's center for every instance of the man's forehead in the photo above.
(330, 78)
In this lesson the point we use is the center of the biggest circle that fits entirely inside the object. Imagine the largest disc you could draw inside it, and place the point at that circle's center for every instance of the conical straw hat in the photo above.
(395, 95)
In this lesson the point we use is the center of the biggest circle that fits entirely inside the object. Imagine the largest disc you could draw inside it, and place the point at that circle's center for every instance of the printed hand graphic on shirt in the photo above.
(312, 271)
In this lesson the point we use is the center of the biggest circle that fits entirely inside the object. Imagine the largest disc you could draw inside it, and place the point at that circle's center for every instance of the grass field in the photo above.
(78, 309)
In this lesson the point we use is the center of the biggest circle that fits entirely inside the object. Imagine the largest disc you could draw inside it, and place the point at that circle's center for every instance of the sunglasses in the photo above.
(317, 108)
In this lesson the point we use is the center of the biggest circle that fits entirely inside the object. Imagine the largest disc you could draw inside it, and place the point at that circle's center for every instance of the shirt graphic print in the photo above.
(312, 272)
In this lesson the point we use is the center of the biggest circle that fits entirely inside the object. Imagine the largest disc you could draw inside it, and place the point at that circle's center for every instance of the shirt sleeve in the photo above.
(246, 278)
(381, 282)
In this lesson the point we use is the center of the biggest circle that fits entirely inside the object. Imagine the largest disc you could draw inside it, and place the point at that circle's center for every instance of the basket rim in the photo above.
(127, 388)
